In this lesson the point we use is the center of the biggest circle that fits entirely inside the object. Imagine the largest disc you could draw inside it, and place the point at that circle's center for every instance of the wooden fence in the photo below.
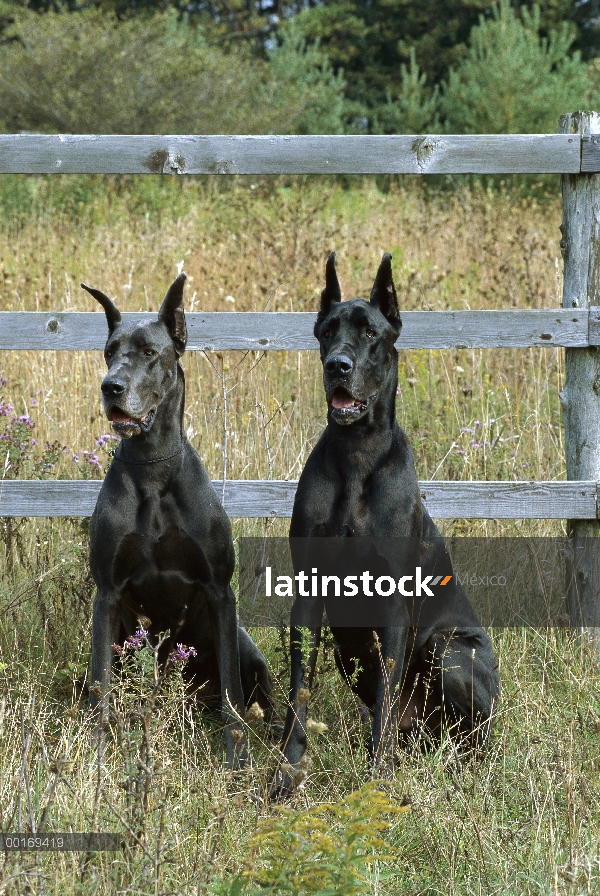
(574, 153)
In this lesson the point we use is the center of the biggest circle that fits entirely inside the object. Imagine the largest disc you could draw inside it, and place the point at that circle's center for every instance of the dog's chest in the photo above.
(363, 506)
(145, 560)
(159, 547)
(352, 510)
(354, 491)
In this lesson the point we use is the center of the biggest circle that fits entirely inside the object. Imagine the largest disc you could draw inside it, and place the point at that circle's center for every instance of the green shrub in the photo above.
(88, 72)
(304, 74)
(326, 850)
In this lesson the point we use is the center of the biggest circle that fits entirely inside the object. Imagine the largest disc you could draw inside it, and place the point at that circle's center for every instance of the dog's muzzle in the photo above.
(345, 408)
(127, 426)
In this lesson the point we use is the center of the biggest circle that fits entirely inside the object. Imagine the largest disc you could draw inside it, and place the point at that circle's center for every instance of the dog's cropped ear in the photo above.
(113, 315)
(332, 292)
(172, 314)
(383, 295)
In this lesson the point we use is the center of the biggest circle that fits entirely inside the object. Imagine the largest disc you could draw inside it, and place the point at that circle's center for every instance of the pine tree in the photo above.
(512, 80)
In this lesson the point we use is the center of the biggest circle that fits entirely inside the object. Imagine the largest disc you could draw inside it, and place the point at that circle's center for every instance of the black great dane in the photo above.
(160, 541)
(360, 480)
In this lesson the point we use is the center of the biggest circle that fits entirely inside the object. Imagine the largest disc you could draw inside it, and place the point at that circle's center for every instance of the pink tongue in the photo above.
(341, 399)
(120, 417)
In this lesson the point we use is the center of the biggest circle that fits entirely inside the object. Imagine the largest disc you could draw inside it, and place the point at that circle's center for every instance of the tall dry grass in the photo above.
(522, 819)
(260, 245)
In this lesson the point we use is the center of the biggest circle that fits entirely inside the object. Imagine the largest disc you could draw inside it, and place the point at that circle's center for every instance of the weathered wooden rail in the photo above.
(261, 498)
(291, 331)
(478, 154)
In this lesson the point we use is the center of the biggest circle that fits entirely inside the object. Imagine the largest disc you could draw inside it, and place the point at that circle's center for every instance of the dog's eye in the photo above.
(108, 354)
(369, 332)
(326, 334)
(149, 352)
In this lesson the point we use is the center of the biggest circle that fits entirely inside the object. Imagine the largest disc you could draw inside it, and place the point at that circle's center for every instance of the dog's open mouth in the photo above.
(341, 400)
(345, 408)
(126, 425)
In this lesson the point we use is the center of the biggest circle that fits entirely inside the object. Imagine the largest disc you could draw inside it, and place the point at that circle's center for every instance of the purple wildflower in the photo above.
(181, 654)
(106, 437)
(3, 380)
(76, 458)
(133, 643)
(136, 641)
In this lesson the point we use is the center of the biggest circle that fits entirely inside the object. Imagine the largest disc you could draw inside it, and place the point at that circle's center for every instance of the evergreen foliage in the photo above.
(416, 108)
(372, 39)
(308, 72)
(512, 80)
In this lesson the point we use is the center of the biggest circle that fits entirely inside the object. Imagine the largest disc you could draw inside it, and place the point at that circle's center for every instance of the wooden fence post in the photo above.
(580, 245)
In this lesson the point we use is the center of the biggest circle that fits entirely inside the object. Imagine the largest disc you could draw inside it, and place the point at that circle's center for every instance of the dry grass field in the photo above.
(522, 819)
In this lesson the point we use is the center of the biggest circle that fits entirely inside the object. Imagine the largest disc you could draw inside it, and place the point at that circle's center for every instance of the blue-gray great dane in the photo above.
(431, 665)
(160, 541)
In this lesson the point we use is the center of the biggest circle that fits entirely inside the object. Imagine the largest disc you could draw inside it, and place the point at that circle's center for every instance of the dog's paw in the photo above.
(288, 779)
(237, 748)
(384, 769)
(280, 789)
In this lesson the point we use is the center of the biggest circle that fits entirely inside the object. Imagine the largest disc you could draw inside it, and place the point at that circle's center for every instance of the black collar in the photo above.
(154, 460)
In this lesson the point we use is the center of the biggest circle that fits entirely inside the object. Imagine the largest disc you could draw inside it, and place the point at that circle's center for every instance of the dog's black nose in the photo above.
(112, 387)
(339, 364)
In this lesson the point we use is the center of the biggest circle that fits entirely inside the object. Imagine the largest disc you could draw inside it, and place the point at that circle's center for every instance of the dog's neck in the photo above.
(167, 436)
(372, 434)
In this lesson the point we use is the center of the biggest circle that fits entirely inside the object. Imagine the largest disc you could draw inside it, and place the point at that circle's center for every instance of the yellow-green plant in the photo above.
(326, 850)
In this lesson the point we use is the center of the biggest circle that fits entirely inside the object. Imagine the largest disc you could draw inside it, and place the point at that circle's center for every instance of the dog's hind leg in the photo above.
(463, 685)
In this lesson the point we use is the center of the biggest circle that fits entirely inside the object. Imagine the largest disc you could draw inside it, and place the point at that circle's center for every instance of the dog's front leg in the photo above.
(223, 617)
(106, 620)
(304, 647)
(384, 733)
